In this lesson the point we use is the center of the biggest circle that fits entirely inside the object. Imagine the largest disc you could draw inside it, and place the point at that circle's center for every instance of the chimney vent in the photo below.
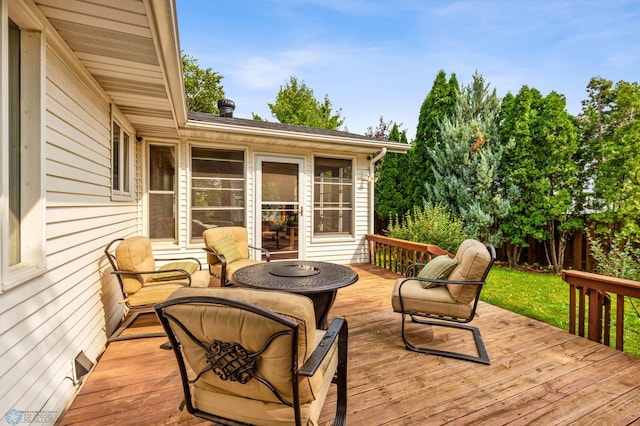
(226, 107)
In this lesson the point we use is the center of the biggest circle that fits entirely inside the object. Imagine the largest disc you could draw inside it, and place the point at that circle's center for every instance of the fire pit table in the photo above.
(319, 281)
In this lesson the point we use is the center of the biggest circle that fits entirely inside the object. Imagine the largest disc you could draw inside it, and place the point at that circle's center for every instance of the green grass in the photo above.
(545, 297)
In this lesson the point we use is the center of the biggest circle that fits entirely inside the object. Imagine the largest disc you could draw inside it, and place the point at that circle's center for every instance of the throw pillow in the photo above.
(227, 247)
(438, 268)
(188, 266)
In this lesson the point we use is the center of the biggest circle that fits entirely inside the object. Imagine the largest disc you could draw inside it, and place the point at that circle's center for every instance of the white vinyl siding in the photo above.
(72, 306)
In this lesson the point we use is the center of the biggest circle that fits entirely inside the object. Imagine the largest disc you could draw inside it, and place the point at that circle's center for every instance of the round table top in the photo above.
(298, 276)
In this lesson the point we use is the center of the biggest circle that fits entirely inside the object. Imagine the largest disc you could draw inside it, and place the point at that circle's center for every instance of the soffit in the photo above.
(120, 43)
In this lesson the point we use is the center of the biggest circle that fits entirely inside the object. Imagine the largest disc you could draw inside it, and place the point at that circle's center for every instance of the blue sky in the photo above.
(377, 58)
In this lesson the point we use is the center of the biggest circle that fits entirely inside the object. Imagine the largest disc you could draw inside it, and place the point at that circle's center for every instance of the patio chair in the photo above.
(227, 250)
(445, 293)
(254, 357)
(142, 284)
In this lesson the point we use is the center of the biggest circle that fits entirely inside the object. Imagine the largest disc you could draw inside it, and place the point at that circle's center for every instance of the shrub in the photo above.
(620, 259)
(429, 225)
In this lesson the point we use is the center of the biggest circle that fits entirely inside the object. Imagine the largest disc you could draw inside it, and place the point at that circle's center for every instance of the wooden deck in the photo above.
(538, 374)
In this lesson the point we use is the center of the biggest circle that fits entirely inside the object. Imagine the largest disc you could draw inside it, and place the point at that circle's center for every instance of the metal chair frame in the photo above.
(224, 281)
(447, 321)
(229, 365)
(136, 311)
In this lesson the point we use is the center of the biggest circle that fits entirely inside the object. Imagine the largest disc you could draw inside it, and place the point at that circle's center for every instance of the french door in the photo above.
(279, 207)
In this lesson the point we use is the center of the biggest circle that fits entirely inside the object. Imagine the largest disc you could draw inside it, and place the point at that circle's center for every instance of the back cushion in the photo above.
(237, 233)
(232, 325)
(473, 260)
(135, 254)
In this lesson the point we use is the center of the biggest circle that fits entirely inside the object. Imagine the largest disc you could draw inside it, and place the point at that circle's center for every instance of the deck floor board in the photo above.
(539, 374)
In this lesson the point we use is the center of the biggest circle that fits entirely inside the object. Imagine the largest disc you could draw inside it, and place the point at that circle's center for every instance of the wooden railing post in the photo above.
(598, 289)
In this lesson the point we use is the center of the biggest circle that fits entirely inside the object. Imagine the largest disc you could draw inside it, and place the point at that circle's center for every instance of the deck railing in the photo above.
(394, 254)
(590, 299)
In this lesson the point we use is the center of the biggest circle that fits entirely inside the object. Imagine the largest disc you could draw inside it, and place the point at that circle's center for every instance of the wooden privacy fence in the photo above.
(594, 291)
(394, 254)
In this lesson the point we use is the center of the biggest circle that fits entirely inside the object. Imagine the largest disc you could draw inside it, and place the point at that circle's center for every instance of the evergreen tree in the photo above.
(439, 103)
(389, 197)
(465, 162)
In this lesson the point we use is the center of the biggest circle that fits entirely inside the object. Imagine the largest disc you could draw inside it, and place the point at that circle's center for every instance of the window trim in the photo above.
(125, 161)
(333, 237)
(163, 242)
(32, 261)
(191, 241)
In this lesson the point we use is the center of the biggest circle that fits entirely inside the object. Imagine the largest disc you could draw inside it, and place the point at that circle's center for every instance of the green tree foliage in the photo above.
(465, 162)
(610, 128)
(295, 104)
(389, 195)
(203, 87)
(439, 103)
(542, 166)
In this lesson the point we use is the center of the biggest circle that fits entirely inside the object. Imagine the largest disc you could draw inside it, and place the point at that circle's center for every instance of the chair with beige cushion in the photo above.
(445, 292)
(143, 284)
(254, 356)
(227, 250)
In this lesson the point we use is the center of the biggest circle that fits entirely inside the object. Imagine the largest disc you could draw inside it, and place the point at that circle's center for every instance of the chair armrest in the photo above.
(186, 274)
(412, 271)
(442, 282)
(263, 250)
(181, 258)
(220, 256)
(337, 330)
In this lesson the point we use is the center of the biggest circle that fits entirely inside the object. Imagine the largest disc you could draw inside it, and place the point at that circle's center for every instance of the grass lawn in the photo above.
(545, 297)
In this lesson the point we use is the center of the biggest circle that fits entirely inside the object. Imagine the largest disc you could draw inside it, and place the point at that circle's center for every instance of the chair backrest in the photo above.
(474, 262)
(238, 233)
(132, 254)
(241, 342)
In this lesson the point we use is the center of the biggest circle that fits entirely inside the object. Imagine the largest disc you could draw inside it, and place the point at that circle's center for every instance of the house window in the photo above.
(162, 194)
(332, 197)
(217, 189)
(22, 167)
(121, 153)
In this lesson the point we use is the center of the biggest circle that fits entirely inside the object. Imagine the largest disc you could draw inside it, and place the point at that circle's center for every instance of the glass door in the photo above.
(280, 212)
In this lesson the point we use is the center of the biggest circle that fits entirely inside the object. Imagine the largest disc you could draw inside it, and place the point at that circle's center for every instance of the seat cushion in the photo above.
(153, 293)
(240, 408)
(438, 268)
(216, 269)
(436, 300)
(209, 322)
(473, 260)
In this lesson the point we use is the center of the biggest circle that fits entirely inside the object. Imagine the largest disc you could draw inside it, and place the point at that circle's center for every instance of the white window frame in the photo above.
(333, 236)
(195, 240)
(122, 190)
(32, 239)
(148, 191)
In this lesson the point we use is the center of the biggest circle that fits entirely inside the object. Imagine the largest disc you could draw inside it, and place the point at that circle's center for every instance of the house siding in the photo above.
(48, 320)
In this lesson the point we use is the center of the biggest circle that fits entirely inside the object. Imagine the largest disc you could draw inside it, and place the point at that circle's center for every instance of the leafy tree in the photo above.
(439, 103)
(542, 166)
(465, 162)
(295, 104)
(610, 130)
(202, 87)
